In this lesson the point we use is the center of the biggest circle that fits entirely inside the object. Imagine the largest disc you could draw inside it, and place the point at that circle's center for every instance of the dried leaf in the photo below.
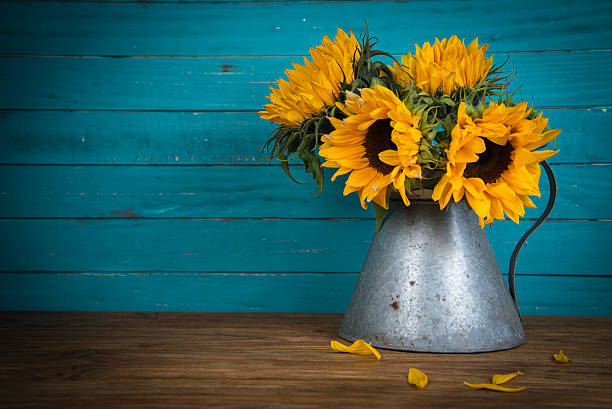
(416, 377)
(358, 347)
(561, 357)
(494, 387)
(499, 379)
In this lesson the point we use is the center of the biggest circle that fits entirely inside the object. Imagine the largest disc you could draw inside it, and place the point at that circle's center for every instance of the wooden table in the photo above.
(210, 360)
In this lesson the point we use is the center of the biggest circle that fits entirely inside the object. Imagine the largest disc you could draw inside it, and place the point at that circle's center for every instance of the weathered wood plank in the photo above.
(571, 248)
(97, 28)
(270, 292)
(230, 83)
(212, 360)
(235, 191)
(143, 137)
(210, 137)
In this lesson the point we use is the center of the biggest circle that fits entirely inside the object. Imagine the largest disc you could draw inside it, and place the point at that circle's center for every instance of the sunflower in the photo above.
(447, 65)
(315, 84)
(493, 162)
(377, 143)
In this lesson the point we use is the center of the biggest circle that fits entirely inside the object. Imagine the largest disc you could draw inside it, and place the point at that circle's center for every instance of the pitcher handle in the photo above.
(552, 197)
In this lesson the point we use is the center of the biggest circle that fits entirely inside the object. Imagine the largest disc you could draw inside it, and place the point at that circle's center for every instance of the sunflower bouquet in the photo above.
(441, 120)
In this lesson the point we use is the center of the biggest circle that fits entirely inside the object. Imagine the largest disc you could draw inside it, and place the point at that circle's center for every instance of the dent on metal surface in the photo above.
(431, 283)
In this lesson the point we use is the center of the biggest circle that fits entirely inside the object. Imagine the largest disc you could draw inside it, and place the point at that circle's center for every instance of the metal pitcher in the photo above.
(431, 283)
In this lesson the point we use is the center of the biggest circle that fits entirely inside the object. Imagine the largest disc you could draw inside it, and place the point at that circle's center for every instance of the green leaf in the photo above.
(313, 165)
(447, 100)
(285, 166)
(377, 81)
(380, 213)
(425, 155)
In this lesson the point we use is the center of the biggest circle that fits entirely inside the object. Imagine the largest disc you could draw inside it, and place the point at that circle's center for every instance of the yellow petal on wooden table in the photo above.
(416, 377)
(561, 357)
(359, 347)
(499, 379)
(494, 387)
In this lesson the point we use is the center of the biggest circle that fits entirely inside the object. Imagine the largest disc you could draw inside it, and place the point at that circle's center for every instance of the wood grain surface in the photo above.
(211, 138)
(212, 245)
(40, 191)
(195, 360)
(264, 27)
(241, 83)
(260, 292)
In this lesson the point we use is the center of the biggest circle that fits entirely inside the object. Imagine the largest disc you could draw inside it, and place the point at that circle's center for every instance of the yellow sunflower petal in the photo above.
(416, 377)
(480, 204)
(376, 120)
(340, 172)
(359, 347)
(561, 357)
(390, 157)
(381, 198)
(443, 191)
(470, 150)
(543, 155)
(508, 172)
(546, 137)
(499, 379)
(314, 84)
(446, 65)
(494, 387)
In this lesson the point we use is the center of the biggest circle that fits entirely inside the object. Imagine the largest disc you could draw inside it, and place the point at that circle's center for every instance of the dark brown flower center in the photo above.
(491, 163)
(377, 140)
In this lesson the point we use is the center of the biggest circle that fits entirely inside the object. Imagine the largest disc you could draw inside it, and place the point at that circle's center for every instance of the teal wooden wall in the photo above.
(130, 171)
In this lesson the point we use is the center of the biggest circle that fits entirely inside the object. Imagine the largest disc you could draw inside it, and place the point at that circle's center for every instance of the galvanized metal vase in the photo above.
(431, 283)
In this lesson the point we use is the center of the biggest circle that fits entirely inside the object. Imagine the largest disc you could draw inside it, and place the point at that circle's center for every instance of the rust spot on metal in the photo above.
(127, 213)
(412, 283)
(227, 67)
(394, 304)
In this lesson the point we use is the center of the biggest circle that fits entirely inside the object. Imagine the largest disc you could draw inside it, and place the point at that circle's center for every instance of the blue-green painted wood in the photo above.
(138, 137)
(224, 191)
(537, 295)
(211, 137)
(553, 79)
(141, 257)
(283, 28)
(558, 247)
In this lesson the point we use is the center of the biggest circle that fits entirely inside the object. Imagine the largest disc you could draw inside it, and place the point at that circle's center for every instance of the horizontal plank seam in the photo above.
(274, 164)
(34, 55)
(249, 273)
(265, 218)
(201, 2)
(188, 111)
(198, 111)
